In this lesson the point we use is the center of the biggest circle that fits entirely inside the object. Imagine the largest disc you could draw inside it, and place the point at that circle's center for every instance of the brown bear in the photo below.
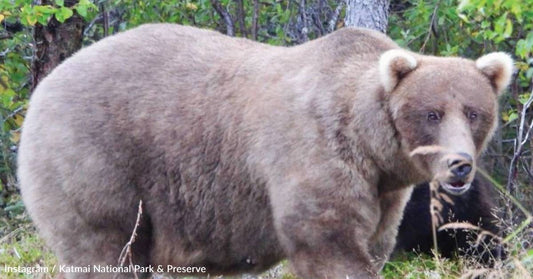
(244, 153)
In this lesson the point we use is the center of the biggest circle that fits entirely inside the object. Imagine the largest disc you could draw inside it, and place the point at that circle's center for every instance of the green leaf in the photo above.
(521, 48)
(523, 98)
(60, 3)
(82, 10)
(44, 9)
(43, 19)
(512, 116)
(529, 73)
(63, 14)
(508, 29)
(31, 20)
(499, 24)
(463, 17)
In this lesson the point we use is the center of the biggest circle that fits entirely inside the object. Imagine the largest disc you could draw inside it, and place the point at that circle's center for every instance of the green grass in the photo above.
(412, 266)
(23, 248)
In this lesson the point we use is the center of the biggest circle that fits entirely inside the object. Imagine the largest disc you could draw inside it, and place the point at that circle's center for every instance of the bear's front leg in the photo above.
(392, 205)
(324, 223)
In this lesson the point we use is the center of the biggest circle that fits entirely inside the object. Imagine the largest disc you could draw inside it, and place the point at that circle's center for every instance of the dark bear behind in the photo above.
(475, 207)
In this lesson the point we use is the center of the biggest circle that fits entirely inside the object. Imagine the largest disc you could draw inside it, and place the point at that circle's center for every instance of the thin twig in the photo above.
(15, 112)
(241, 17)
(317, 18)
(519, 142)
(431, 23)
(254, 19)
(105, 16)
(13, 233)
(126, 253)
(91, 24)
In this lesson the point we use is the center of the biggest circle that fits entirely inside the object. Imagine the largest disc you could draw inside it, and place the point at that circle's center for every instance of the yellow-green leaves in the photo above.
(33, 14)
(84, 7)
(63, 14)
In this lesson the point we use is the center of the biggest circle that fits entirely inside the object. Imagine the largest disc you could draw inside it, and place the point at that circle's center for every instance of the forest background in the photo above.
(35, 36)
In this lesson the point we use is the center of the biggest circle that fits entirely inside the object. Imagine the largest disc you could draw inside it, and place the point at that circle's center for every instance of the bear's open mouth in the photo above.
(455, 188)
(458, 184)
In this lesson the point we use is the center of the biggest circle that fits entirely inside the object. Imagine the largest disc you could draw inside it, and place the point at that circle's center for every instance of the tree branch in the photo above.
(254, 19)
(519, 143)
(230, 30)
(105, 16)
(303, 17)
(431, 26)
(332, 24)
(241, 17)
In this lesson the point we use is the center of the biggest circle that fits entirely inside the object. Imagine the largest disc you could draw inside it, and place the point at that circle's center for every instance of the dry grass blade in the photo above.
(446, 198)
(437, 205)
(506, 194)
(522, 272)
(468, 226)
(435, 214)
(475, 273)
(427, 149)
(14, 233)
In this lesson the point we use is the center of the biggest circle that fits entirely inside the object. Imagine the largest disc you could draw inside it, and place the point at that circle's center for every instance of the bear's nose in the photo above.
(460, 165)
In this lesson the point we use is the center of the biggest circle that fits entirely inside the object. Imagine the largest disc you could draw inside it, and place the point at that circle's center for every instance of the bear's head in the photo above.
(444, 109)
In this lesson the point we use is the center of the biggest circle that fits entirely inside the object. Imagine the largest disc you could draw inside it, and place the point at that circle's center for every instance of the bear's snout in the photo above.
(459, 174)
(461, 166)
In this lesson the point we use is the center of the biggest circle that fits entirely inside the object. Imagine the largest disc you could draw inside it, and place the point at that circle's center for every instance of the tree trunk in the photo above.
(55, 42)
(369, 14)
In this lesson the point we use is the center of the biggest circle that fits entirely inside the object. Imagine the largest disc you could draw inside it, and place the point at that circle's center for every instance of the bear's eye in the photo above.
(472, 115)
(433, 116)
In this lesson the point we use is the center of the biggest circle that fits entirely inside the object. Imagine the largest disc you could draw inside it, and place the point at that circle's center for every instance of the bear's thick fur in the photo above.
(244, 153)
(476, 207)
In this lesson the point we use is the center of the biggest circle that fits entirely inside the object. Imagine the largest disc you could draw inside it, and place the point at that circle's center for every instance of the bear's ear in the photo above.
(393, 65)
(498, 67)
